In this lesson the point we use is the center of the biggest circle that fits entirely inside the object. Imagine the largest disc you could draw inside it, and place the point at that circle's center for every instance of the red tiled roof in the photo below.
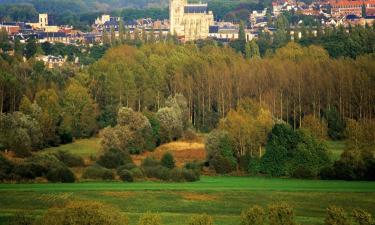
(351, 3)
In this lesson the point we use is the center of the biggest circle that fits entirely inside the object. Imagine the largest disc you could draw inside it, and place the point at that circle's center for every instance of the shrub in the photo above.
(303, 172)
(281, 214)
(168, 161)
(336, 125)
(84, 213)
(60, 174)
(361, 217)
(126, 175)
(254, 166)
(158, 172)
(336, 216)
(253, 216)
(327, 173)
(46, 161)
(189, 135)
(96, 172)
(176, 175)
(190, 175)
(69, 159)
(220, 150)
(127, 166)
(137, 173)
(222, 164)
(6, 167)
(201, 220)
(23, 171)
(150, 219)
(195, 165)
(114, 158)
(150, 162)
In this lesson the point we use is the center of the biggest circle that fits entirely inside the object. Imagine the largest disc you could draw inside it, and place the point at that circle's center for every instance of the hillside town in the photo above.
(194, 21)
(190, 22)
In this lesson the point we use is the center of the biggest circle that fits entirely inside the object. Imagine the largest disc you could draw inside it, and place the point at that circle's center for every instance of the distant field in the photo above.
(221, 197)
(81, 147)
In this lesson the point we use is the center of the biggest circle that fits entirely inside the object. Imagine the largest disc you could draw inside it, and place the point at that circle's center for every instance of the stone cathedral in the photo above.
(189, 21)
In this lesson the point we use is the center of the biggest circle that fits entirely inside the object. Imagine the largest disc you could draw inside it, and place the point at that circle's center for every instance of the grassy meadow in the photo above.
(221, 197)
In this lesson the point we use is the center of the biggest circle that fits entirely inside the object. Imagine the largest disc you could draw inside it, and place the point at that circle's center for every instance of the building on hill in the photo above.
(189, 21)
(342, 8)
(43, 24)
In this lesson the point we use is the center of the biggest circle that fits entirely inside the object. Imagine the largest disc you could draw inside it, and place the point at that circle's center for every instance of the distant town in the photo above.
(191, 22)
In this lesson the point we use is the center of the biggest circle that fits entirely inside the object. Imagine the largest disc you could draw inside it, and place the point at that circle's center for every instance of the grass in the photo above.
(82, 147)
(221, 197)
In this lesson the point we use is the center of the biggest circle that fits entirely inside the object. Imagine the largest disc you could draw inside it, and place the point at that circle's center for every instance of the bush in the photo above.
(60, 174)
(137, 173)
(150, 162)
(168, 161)
(222, 165)
(201, 220)
(158, 172)
(81, 213)
(176, 175)
(254, 166)
(303, 172)
(220, 150)
(6, 167)
(69, 159)
(114, 158)
(150, 219)
(327, 173)
(253, 216)
(336, 216)
(361, 217)
(127, 166)
(46, 161)
(195, 165)
(189, 135)
(97, 172)
(23, 171)
(281, 214)
(190, 175)
(126, 175)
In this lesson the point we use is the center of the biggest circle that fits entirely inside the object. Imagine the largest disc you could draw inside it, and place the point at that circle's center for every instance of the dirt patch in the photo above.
(119, 194)
(197, 197)
(182, 152)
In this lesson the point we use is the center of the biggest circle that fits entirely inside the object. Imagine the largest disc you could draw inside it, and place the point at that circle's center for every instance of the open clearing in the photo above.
(221, 197)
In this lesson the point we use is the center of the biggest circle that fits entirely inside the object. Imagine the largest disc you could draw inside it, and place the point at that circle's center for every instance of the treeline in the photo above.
(293, 82)
(74, 212)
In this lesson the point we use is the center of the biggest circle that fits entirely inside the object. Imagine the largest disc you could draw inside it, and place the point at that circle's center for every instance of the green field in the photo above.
(221, 197)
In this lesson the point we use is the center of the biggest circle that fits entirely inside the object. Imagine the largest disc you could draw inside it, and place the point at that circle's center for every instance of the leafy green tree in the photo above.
(336, 125)
(220, 152)
(171, 124)
(252, 50)
(80, 111)
(31, 48)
